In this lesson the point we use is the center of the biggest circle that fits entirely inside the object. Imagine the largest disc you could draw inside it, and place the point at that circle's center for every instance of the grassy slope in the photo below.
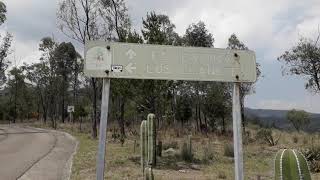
(123, 162)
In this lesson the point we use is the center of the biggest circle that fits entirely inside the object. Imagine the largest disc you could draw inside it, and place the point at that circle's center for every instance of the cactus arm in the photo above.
(304, 167)
(151, 140)
(143, 144)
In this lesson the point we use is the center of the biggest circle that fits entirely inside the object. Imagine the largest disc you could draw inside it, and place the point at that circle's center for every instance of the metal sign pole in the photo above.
(237, 137)
(103, 129)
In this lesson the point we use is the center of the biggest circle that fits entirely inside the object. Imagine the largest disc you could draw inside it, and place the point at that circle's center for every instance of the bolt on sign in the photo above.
(142, 61)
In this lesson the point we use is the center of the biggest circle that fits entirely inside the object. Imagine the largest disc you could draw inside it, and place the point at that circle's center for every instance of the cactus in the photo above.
(148, 174)
(148, 145)
(143, 142)
(291, 165)
(151, 140)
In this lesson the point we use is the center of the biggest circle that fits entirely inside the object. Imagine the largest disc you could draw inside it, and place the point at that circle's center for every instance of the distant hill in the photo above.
(278, 118)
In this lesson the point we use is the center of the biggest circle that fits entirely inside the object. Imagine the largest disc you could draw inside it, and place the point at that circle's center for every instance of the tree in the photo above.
(217, 104)
(184, 109)
(44, 75)
(299, 118)
(304, 60)
(158, 29)
(20, 98)
(65, 56)
(198, 35)
(85, 20)
(154, 94)
(245, 88)
(3, 11)
(5, 44)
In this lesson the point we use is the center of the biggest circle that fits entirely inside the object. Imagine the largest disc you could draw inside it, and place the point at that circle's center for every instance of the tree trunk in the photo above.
(121, 120)
(62, 107)
(94, 106)
(242, 116)
(223, 125)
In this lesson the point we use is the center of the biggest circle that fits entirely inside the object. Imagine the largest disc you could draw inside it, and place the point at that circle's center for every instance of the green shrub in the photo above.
(228, 150)
(267, 136)
(312, 154)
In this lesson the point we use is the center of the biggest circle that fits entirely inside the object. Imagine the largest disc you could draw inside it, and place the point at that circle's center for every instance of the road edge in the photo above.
(67, 173)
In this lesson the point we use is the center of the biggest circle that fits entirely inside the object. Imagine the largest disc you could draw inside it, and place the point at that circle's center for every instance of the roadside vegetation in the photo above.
(212, 153)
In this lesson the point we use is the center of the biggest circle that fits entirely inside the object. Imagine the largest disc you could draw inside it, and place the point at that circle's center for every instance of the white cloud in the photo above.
(270, 25)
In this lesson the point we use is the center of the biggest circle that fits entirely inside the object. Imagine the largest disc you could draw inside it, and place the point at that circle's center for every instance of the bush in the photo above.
(312, 154)
(185, 153)
(295, 139)
(228, 150)
(266, 136)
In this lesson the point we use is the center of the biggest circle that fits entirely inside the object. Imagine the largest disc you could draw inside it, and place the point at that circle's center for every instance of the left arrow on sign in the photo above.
(130, 67)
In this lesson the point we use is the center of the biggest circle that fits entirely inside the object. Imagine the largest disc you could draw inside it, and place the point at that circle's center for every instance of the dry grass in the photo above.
(123, 162)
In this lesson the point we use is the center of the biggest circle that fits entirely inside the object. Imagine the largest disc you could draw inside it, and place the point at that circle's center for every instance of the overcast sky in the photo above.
(267, 27)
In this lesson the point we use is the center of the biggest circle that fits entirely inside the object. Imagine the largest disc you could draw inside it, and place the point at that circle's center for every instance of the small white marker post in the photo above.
(103, 128)
(237, 135)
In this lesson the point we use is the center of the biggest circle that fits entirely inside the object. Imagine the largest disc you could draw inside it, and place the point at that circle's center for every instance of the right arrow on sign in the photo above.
(130, 67)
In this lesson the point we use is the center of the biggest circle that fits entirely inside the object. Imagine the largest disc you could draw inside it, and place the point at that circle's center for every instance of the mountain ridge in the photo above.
(277, 118)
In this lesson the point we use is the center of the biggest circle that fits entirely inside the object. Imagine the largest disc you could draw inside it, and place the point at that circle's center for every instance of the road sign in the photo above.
(70, 109)
(141, 61)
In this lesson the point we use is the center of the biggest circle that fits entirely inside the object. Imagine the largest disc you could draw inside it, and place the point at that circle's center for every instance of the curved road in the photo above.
(30, 153)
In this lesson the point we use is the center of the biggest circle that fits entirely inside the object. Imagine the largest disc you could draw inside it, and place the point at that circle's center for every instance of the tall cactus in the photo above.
(144, 144)
(148, 174)
(291, 165)
(148, 146)
(151, 140)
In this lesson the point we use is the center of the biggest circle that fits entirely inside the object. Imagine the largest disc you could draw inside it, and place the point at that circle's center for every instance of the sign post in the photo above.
(140, 61)
(237, 135)
(103, 128)
(70, 110)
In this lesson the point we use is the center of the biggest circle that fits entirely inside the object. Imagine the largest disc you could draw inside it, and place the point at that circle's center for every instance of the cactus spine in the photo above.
(144, 145)
(148, 146)
(291, 165)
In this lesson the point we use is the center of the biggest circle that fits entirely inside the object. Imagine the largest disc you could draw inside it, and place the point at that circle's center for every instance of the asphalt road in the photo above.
(30, 153)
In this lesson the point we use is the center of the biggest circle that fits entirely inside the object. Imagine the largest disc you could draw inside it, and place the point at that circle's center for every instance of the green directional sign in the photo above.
(142, 61)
